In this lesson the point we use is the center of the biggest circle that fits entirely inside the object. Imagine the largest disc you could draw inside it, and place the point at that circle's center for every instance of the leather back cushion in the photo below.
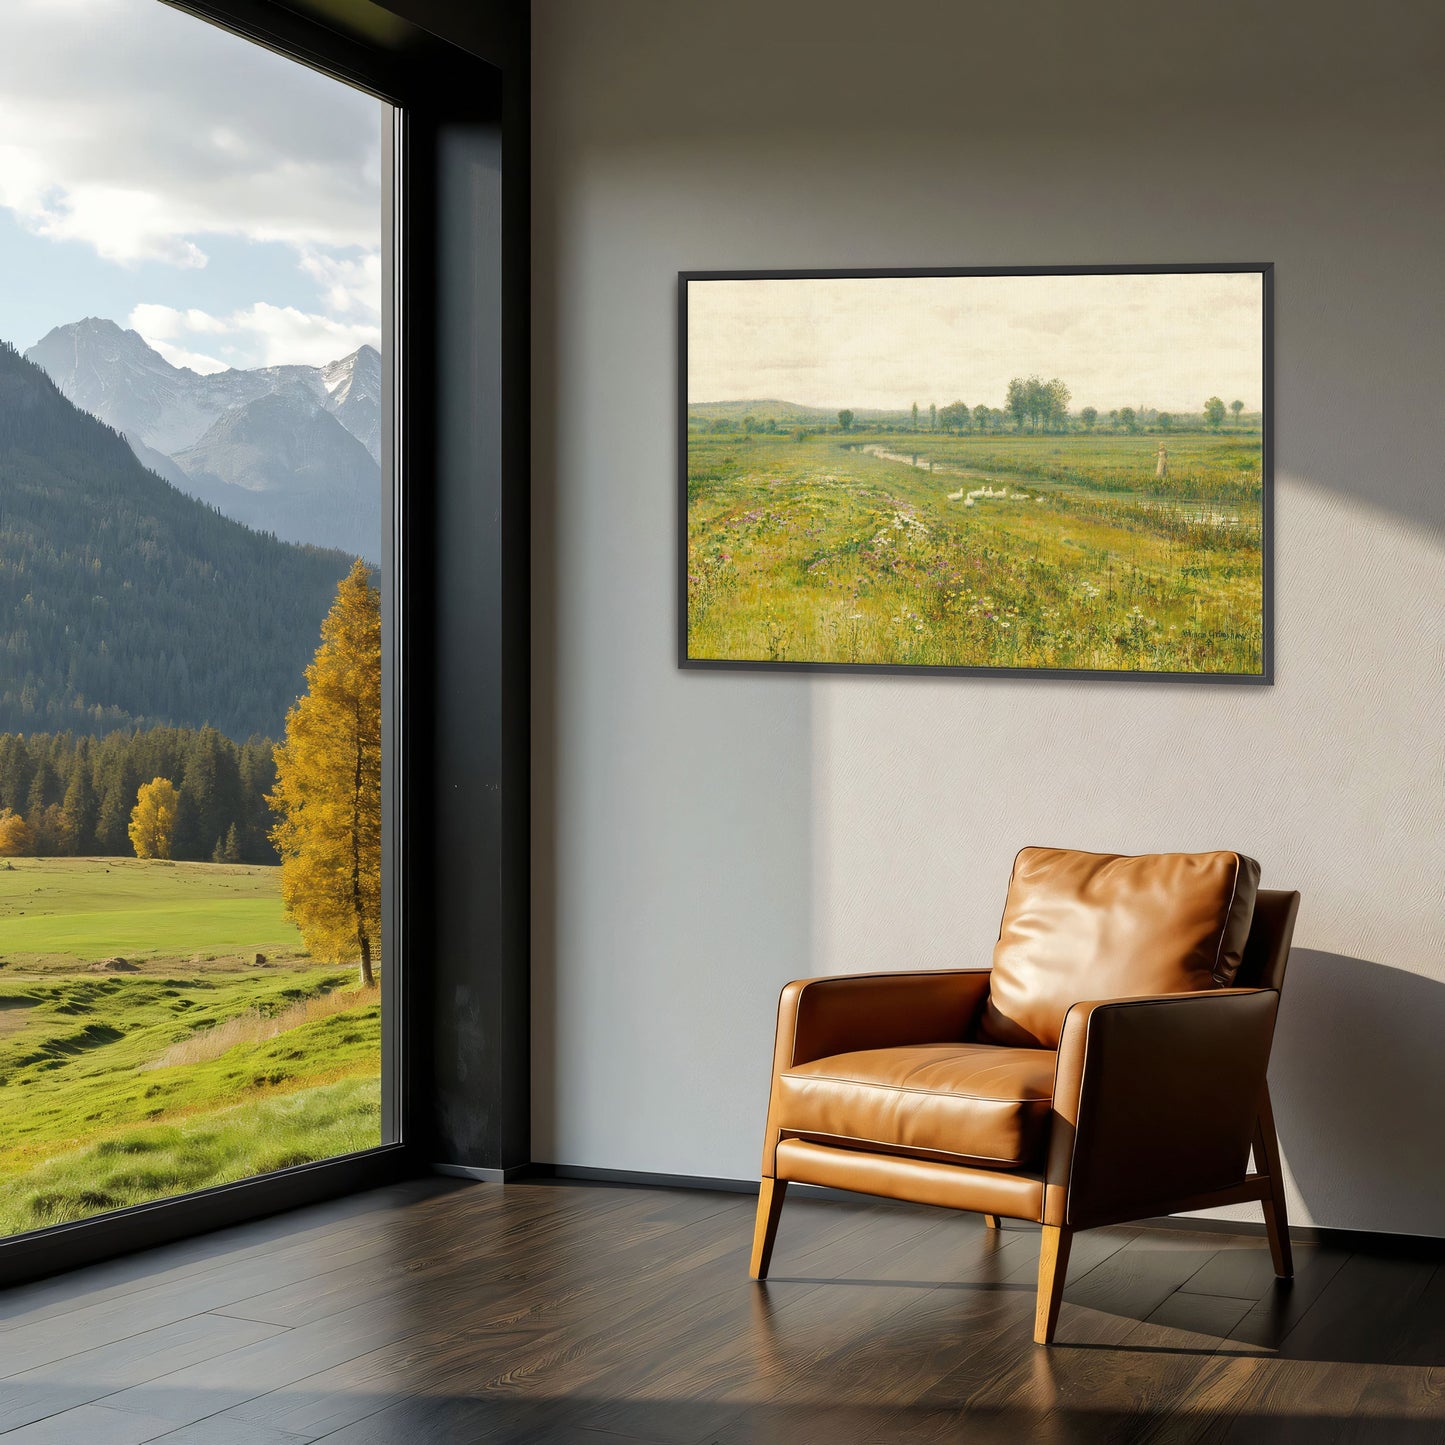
(1096, 925)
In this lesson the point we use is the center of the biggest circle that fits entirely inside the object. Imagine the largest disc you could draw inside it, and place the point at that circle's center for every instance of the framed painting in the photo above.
(1059, 471)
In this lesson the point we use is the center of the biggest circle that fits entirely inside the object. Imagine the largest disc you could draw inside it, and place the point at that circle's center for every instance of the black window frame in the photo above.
(455, 1053)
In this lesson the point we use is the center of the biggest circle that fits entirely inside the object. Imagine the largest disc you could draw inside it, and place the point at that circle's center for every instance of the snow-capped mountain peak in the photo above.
(117, 376)
(354, 386)
(362, 367)
(282, 448)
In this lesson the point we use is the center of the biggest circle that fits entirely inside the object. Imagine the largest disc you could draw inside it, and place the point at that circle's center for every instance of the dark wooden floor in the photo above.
(437, 1312)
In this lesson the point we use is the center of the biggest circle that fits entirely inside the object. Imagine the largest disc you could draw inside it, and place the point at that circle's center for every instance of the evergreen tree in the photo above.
(327, 796)
(47, 831)
(187, 838)
(257, 765)
(80, 809)
(45, 787)
(121, 773)
(211, 778)
(15, 770)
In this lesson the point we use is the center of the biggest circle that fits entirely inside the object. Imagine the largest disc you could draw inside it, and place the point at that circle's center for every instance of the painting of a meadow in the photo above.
(1059, 472)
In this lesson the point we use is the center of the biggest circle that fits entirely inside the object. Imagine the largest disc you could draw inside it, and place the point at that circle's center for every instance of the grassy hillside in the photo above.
(200, 1067)
(125, 602)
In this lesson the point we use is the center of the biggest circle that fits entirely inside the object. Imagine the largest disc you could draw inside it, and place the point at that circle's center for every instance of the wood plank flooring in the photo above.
(438, 1311)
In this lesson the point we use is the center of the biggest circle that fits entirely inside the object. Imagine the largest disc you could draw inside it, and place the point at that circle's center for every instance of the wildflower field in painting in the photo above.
(837, 543)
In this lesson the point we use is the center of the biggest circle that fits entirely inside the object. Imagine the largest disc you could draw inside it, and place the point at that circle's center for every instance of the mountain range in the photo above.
(123, 601)
(292, 450)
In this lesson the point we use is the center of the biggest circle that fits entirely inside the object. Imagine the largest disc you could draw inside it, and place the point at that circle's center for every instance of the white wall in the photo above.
(701, 838)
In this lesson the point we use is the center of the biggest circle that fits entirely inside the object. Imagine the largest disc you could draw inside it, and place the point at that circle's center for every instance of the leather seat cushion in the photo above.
(960, 1102)
(1079, 926)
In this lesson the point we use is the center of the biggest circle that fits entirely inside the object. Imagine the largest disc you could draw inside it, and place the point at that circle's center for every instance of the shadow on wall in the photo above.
(1358, 1083)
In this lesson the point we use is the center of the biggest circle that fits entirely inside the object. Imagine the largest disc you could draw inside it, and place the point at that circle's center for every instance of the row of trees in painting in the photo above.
(1031, 406)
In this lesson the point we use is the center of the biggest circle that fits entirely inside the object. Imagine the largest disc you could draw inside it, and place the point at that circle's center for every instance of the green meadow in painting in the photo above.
(1039, 522)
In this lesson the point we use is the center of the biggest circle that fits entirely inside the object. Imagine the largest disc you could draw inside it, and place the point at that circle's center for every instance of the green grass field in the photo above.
(199, 1067)
(85, 909)
(1009, 551)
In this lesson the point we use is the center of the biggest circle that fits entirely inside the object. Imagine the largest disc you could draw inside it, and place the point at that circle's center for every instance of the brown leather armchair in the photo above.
(1110, 1066)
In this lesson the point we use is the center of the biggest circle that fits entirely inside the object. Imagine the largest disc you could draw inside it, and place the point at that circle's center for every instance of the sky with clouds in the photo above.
(219, 199)
(1165, 341)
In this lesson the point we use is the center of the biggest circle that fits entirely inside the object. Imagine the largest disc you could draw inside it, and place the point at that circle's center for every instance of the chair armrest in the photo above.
(819, 1017)
(1155, 1101)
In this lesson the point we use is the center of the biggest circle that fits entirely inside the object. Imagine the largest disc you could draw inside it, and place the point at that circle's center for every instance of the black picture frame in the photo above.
(1264, 678)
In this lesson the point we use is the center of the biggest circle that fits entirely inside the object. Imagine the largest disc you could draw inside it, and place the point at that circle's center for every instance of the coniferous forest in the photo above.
(73, 795)
(125, 603)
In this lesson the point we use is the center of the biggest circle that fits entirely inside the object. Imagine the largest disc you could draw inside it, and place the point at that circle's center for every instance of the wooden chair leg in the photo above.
(991, 1221)
(1053, 1266)
(1266, 1160)
(765, 1230)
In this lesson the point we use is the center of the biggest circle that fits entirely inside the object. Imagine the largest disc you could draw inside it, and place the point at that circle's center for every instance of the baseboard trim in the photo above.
(1363, 1241)
(1359, 1241)
(484, 1176)
(640, 1179)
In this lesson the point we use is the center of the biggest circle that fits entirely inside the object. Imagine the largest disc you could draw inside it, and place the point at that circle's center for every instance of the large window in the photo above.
(193, 485)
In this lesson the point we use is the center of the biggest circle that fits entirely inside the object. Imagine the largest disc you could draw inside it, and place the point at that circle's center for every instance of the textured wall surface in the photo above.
(700, 839)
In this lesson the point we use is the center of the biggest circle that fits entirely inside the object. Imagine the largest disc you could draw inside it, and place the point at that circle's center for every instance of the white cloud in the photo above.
(257, 335)
(141, 131)
(350, 285)
(165, 327)
(287, 334)
(194, 360)
(149, 137)
(168, 322)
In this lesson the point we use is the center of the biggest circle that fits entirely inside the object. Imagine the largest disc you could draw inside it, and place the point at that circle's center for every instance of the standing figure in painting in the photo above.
(1161, 467)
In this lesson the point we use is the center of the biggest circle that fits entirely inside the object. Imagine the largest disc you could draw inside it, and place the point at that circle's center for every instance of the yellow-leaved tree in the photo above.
(14, 834)
(328, 785)
(153, 819)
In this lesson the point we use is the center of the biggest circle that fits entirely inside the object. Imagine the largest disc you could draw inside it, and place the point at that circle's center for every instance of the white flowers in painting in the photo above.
(906, 530)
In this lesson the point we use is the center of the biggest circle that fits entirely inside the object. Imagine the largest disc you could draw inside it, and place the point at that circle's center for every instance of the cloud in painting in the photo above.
(1166, 341)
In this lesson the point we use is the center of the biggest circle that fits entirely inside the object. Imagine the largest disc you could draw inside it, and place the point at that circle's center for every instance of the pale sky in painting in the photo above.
(1164, 341)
